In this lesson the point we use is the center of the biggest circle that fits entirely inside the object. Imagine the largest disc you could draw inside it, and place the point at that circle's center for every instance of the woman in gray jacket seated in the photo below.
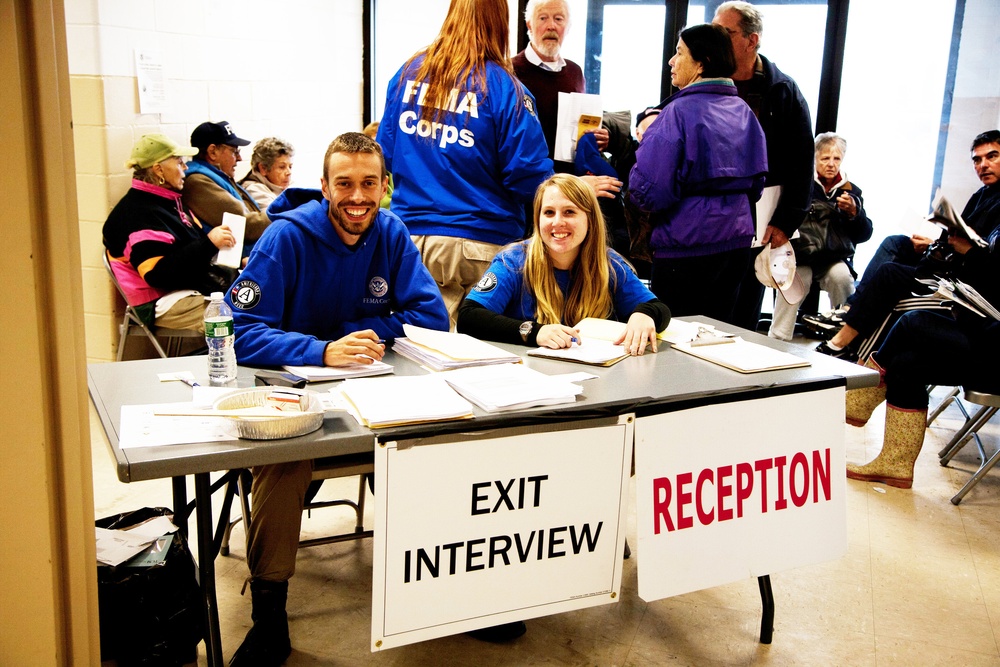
(270, 170)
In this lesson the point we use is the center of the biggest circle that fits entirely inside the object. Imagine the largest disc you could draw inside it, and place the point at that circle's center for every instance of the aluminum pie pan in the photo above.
(270, 428)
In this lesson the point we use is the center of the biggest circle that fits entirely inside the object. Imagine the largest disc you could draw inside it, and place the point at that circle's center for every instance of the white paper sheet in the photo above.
(233, 257)
(571, 107)
(327, 373)
(766, 205)
(141, 428)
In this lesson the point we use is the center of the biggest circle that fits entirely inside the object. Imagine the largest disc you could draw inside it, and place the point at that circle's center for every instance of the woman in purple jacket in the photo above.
(699, 169)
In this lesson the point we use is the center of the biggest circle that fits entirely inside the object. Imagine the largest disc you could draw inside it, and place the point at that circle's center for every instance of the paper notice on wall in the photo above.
(573, 106)
(149, 77)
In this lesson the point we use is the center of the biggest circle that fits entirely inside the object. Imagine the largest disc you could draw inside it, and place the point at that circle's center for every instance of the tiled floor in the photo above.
(920, 585)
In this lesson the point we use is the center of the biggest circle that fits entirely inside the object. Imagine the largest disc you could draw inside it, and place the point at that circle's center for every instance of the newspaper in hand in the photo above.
(943, 214)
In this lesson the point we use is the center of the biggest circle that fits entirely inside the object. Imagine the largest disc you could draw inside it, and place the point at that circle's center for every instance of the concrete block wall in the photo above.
(290, 69)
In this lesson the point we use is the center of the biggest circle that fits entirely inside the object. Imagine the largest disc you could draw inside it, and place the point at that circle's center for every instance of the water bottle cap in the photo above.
(216, 296)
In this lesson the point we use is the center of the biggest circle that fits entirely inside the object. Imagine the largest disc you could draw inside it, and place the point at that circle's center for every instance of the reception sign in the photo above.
(474, 530)
(739, 489)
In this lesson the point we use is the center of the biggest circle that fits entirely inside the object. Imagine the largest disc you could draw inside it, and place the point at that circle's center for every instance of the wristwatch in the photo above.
(525, 329)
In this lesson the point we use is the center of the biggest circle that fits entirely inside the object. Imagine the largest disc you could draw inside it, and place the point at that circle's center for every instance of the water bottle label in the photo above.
(219, 329)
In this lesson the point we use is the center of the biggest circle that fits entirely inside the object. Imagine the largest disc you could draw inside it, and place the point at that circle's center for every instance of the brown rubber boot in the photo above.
(861, 403)
(904, 436)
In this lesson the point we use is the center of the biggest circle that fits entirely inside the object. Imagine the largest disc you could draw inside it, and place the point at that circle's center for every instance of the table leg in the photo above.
(767, 614)
(206, 566)
(180, 503)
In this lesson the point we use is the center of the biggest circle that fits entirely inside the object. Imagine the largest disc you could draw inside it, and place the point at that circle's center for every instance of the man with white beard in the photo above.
(544, 72)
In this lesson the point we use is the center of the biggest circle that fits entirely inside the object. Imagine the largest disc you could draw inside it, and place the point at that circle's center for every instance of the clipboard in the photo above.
(744, 357)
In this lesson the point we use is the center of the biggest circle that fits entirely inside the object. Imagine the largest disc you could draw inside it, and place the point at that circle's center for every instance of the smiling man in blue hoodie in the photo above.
(332, 277)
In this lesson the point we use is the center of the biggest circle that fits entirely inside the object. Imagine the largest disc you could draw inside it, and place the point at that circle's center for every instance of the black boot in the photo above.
(267, 643)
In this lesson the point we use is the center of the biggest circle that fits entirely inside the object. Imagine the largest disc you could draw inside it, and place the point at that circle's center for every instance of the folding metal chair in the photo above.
(990, 404)
(361, 465)
(132, 325)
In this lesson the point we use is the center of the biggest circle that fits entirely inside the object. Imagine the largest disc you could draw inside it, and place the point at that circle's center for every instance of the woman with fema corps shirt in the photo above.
(536, 289)
(464, 146)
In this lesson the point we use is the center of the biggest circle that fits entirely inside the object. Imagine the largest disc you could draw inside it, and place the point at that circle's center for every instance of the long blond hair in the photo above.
(474, 33)
(589, 294)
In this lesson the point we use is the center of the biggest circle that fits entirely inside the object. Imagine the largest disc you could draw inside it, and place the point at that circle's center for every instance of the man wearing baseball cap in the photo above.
(211, 189)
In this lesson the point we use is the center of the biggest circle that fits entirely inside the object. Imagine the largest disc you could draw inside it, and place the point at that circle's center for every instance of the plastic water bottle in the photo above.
(221, 340)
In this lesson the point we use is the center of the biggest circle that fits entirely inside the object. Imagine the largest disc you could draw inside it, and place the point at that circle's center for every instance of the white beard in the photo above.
(547, 49)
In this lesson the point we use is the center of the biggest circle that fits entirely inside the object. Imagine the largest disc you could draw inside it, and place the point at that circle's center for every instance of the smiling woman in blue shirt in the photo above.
(536, 290)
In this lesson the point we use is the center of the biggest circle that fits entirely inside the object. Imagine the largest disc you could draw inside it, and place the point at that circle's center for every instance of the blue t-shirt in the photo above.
(502, 288)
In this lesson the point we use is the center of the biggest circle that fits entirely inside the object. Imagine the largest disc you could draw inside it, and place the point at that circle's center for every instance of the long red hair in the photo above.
(474, 33)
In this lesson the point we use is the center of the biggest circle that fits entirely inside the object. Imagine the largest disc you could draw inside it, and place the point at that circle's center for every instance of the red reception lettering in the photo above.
(821, 474)
(704, 517)
(725, 490)
(661, 504)
(744, 485)
(799, 462)
(683, 498)
(673, 497)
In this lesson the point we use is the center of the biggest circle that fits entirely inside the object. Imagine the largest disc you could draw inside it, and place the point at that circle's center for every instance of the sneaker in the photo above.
(847, 354)
(826, 324)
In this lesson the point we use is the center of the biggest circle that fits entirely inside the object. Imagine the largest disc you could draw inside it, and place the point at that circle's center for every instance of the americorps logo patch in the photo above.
(529, 104)
(245, 294)
(487, 283)
(378, 286)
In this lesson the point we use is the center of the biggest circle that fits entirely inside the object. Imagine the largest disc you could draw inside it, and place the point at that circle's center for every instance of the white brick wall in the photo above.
(290, 69)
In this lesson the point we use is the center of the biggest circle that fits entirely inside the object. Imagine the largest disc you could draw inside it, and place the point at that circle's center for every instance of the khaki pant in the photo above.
(187, 313)
(456, 264)
(278, 498)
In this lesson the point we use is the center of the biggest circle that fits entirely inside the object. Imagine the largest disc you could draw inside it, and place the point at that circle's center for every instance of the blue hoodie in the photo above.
(303, 287)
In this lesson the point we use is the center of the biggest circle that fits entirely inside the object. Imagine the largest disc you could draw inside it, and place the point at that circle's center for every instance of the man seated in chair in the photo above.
(879, 294)
(211, 189)
(159, 254)
(331, 279)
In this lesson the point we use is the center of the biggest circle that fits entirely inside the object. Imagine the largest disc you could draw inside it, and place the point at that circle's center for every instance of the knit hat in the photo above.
(153, 148)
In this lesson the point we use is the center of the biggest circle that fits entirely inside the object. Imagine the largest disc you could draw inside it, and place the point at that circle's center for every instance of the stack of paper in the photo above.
(510, 387)
(395, 401)
(328, 373)
(441, 350)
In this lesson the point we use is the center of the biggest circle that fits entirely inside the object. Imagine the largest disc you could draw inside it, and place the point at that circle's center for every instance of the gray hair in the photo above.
(529, 10)
(751, 19)
(269, 149)
(827, 139)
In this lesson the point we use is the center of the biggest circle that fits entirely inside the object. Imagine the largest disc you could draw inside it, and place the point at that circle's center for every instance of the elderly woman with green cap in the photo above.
(159, 252)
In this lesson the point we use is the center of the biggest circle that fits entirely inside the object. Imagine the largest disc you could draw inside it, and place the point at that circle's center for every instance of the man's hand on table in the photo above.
(360, 347)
